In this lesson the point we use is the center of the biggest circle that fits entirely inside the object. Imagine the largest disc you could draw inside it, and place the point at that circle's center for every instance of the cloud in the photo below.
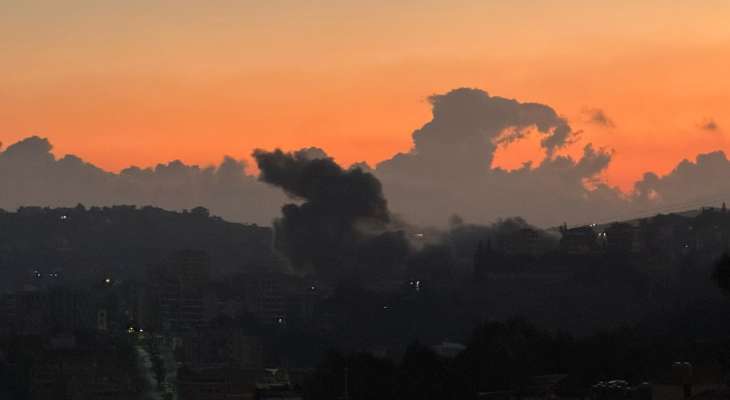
(598, 117)
(466, 126)
(709, 125)
(691, 184)
(312, 153)
(31, 175)
(449, 168)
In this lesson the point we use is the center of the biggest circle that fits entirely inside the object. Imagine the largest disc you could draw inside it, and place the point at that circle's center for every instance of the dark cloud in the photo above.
(449, 169)
(31, 175)
(598, 117)
(312, 153)
(709, 125)
(342, 219)
(363, 166)
(467, 124)
(691, 184)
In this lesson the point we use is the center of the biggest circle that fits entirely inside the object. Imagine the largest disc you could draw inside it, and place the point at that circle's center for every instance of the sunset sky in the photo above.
(141, 82)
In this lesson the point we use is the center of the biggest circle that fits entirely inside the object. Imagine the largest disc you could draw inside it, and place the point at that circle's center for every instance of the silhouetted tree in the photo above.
(478, 262)
(200, 212)
(422, 374)
(361, 375)
(482, 257)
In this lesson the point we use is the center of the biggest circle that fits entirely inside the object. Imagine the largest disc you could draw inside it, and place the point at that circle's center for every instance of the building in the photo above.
(7, 313)
(621, 238)
(448, 349)
(234, 383)
(267, 295)
(70, 372)
(209, 347)
(276, 385)
(524, 241)
(216, 383)
(60, 309)
(580, 240)
(177, 297)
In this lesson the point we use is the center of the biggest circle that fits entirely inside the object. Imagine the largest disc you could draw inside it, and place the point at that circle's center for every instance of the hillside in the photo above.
(75, 244)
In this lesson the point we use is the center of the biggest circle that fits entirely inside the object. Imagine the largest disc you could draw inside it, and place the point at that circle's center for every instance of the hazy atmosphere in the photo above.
(360, 200)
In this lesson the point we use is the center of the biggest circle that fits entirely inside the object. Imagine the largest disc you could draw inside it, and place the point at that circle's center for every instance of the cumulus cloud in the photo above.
(311, 153)
(449, 168)
(466, 127)
(702, 182)
(31, 175)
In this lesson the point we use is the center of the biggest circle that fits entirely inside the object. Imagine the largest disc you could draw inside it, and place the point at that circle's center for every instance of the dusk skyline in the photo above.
(357, 200)
(147, 82)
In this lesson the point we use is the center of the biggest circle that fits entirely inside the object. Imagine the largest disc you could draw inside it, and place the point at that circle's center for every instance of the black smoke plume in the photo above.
(341, 224)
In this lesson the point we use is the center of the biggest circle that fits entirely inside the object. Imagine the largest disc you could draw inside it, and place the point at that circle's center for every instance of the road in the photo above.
(150, 391)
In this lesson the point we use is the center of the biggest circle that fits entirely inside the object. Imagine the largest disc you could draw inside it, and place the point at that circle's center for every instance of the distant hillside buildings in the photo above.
(672, 234)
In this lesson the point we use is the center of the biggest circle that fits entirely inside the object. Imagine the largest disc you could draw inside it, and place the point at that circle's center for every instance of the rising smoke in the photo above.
(341, 219)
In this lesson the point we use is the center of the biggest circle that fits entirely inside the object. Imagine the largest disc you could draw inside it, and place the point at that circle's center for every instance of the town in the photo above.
(125, 302)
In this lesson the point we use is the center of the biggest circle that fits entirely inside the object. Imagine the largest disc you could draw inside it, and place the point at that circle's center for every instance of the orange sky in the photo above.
(141, 82)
